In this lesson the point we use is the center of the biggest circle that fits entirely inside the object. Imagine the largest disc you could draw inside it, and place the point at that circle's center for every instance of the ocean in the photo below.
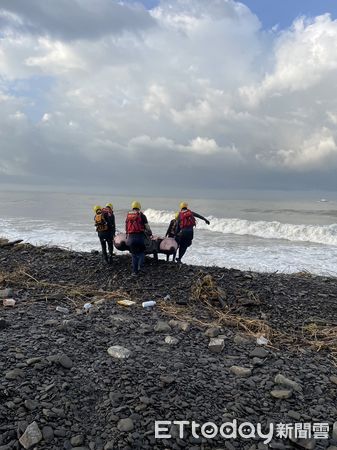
(260, 231)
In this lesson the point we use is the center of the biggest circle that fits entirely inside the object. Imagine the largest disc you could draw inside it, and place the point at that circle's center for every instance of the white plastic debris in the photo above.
(9, 302)
(62, 310)
(87, 306)
(261, 340)
(148, 304)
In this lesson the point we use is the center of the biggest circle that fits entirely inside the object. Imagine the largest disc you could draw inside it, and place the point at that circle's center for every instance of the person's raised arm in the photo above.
(199, 216)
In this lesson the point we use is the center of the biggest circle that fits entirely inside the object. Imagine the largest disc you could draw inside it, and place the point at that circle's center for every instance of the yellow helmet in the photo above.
(97, 207)
(183, 205)
(109, 205)
(135, 205)
(176, 215)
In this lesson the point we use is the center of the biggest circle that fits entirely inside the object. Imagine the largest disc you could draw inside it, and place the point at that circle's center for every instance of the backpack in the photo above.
(134, 223)
(187, 219)
(100, 222)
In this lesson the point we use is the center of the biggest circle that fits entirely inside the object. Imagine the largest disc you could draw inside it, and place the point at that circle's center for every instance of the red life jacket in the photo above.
(187, 219)
(134, 223)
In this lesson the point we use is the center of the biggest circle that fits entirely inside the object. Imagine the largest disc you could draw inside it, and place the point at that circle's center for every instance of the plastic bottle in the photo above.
(148, 304)
(87, 306)
(9, 302)
(62, 310)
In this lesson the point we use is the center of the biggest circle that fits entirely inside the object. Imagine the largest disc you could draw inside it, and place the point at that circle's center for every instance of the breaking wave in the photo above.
(319, 234)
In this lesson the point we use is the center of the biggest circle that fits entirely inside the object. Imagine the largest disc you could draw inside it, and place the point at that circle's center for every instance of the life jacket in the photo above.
(187, 219)
(134, 223)
(100, 222)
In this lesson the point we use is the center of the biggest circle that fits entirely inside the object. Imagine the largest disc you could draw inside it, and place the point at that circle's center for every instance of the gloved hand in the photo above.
(208, 222)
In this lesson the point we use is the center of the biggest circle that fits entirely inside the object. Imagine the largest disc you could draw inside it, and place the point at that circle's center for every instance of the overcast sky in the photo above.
(184, 93)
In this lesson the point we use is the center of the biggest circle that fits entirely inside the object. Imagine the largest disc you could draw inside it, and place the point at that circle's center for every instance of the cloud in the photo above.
(78, 19)
(188, 91)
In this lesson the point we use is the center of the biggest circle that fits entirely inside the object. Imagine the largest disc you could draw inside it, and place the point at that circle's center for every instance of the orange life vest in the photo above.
(134, 223)
(100, 222)
(187, 219)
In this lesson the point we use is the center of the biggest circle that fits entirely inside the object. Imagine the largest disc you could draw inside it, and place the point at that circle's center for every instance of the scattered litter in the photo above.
(261, 340)
(167, 297)
(9, 302)
(62, 310)
(87, 306)
(126, 302)
(148, 304)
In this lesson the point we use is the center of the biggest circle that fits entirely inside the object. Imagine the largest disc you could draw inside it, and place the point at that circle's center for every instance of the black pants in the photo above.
(184, 240)
(106, 239)
(136, 244)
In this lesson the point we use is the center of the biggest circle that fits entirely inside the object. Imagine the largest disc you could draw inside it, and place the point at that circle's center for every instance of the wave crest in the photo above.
(320, 234)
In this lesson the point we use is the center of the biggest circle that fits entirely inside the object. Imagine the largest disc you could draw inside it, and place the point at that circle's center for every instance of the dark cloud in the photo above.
(202, 100)
(74, 19)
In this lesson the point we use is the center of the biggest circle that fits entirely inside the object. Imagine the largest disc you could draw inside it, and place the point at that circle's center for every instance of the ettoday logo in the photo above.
(245, 430)
(209, 430)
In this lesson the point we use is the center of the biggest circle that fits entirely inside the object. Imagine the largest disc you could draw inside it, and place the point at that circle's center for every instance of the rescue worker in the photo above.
(110, 217)
(184, 231)
(105, 227)
(171, 233)
(136, 225)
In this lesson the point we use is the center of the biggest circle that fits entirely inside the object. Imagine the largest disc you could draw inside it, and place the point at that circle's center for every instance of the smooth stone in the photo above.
(32, 361)
(48, 433)
(162, 327)
(60, 432)
(6, 293)
(333, 379)
(77, 441)
(31, 404)
(281, 394)
(119, 352)
(183, 326)
(240, 371)
(125, 425)
(31, 436)
(241, 340)
(14, 374)
(65, 361)
(167, 379)
(259, 352)
(281, 379)
(257, 361)
(213, 332)
(294, 415)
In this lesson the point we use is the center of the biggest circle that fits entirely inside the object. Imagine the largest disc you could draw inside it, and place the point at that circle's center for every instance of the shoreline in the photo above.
(85, 398)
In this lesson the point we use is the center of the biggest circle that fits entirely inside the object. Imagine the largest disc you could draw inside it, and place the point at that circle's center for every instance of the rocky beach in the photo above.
(79, 370)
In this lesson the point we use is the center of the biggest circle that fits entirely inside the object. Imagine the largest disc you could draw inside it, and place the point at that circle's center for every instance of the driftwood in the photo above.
(10, 243)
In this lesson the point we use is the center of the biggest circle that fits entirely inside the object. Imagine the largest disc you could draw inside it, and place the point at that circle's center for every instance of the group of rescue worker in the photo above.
(137, 229)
